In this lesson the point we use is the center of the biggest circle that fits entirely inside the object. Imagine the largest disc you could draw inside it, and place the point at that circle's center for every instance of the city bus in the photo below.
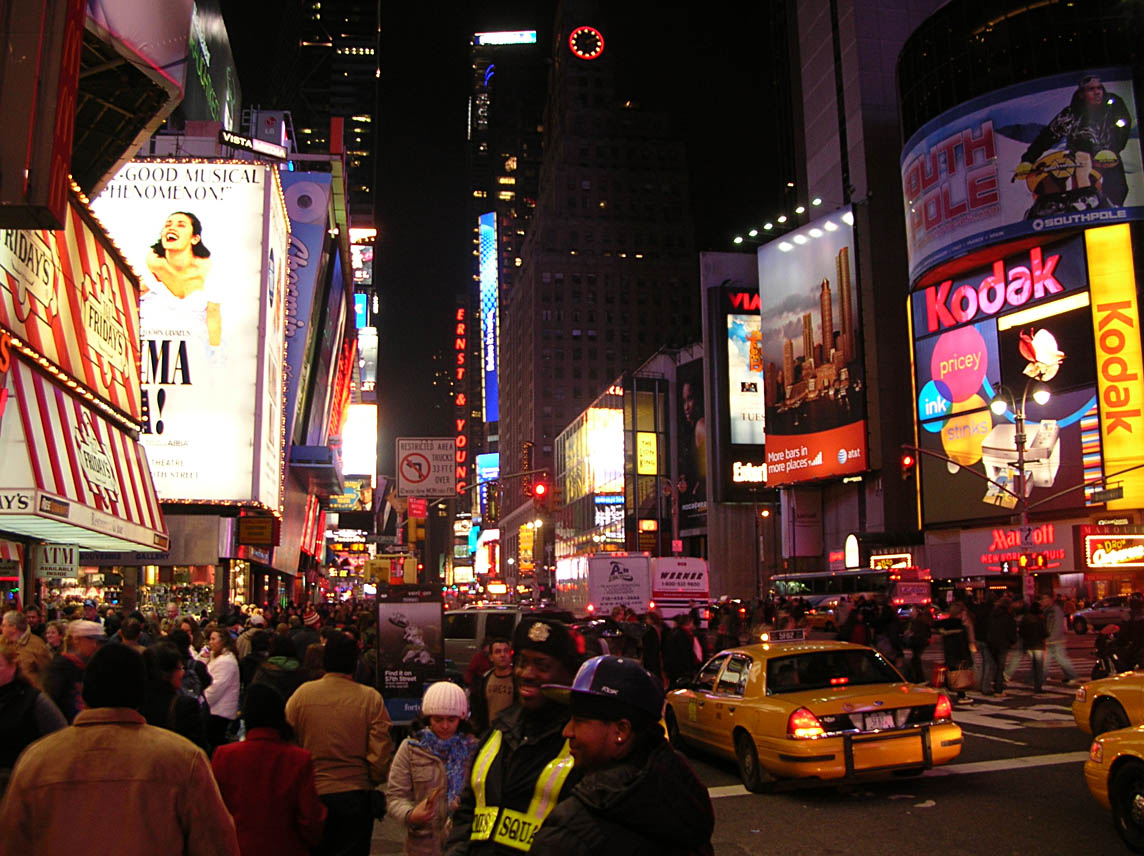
(902, 586)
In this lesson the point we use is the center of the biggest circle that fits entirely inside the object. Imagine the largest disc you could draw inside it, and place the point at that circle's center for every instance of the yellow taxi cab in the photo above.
(793, 708)
(823, 615)
(1114, 773)
(1110, 703)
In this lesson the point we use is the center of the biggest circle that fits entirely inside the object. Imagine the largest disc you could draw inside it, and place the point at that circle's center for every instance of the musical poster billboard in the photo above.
(209, 241)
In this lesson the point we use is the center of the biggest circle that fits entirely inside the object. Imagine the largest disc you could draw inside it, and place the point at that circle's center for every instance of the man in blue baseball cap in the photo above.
(638, 795)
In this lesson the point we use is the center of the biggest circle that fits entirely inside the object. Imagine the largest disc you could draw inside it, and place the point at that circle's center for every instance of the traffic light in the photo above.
(909, 464)
(556, 497)
(1023, 561)
(540, 494)
(1040, 561)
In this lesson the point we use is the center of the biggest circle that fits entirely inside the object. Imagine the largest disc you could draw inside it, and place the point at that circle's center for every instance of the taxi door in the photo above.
(701, 704)
(726, 701)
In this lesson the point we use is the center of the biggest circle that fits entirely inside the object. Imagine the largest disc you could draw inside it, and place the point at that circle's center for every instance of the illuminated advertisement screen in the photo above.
(490, 318)
(361, 260)
(972, 336)
(367, 363)
(812, 349)
(194, 231)
(488, 470)
(745, 379)
(691, 437)
(361, 310)
(1053, 153)
(359, 440)
(307, 204)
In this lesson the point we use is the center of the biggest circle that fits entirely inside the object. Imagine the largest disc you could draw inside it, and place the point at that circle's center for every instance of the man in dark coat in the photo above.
(638, 795)
(679, 659)
(1002, 636)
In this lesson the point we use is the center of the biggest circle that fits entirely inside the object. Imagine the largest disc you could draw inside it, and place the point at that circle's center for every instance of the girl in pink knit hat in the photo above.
(430, 769)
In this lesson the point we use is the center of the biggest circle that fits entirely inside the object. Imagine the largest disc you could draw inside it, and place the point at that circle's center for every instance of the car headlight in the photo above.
(1081, 693)
(1096, 752)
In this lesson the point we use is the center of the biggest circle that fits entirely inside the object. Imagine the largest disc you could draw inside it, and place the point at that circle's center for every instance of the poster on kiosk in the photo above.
(208, 241)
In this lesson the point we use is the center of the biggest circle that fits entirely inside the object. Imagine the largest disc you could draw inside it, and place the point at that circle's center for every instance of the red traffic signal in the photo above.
(909, 462)
(540, 490)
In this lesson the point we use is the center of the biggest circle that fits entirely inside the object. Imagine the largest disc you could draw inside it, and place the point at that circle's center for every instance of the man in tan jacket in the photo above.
(113, 779)
(34, 654)
(345, 726)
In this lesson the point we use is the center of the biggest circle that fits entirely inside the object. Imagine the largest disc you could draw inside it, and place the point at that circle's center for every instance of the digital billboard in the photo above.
(488, 471)
(307, 204)
(691, 437)
(814, 368)
(974, 334)
(1053, 153)
(208, 240)
(490, 317)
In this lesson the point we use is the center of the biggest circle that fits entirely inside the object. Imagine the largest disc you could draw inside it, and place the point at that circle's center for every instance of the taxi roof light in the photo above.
(804, 725)
(943, 709)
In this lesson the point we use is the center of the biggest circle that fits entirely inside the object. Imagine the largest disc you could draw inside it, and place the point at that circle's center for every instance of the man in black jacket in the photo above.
(523, 765)
(638, 795)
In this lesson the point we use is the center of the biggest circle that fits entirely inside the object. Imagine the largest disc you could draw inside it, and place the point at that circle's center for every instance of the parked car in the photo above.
(1107, 610)
(466, 628)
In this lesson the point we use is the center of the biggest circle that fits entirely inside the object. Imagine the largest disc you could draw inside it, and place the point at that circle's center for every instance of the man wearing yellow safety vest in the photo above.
(523, 767)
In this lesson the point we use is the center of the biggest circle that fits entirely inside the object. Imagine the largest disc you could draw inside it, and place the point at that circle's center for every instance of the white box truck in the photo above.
(594, 585)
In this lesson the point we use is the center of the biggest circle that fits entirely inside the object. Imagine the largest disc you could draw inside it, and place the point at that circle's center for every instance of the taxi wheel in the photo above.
(1126, 794)
(673, 734)
(755, 778)
(1108, 716)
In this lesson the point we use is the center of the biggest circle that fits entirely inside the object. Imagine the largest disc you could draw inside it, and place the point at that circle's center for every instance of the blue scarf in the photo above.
(455, 753)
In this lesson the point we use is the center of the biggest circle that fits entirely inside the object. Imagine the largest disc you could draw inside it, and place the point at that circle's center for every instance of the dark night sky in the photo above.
(700, 62)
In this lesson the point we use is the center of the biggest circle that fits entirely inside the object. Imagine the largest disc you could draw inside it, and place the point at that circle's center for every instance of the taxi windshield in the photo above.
(821, 669)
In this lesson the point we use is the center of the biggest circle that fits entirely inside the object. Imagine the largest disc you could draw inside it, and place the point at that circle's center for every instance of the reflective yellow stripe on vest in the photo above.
(516, 829)
(483, 816)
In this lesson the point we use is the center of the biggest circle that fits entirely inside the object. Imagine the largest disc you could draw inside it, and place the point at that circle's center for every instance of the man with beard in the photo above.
(523, 766)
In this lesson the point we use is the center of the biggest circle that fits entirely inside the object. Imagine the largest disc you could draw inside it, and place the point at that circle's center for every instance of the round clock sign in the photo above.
(586, 42)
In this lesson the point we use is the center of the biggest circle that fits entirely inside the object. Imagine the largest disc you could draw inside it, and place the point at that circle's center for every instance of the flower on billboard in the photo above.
(1040, 349)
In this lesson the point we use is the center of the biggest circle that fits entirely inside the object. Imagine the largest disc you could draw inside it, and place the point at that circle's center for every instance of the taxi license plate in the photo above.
(880, 720)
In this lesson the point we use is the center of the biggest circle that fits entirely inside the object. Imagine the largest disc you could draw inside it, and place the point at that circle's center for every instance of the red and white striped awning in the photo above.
(10, 551)
(69, 476)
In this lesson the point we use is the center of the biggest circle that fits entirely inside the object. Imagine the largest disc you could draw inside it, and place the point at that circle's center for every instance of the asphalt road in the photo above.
(1016, 788)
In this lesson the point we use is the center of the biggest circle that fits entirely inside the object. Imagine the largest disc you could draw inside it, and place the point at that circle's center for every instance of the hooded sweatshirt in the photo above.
(651, 803)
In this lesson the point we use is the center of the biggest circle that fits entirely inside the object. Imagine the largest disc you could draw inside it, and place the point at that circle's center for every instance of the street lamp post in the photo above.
(999, 405)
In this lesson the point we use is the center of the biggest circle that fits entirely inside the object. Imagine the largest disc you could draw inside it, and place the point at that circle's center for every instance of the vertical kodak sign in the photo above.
(1119, 367)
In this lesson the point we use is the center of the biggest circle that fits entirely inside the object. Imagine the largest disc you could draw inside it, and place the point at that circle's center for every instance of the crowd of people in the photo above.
(261, 731)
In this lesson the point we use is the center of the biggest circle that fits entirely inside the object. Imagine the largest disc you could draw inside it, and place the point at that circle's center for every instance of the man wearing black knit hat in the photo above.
(524, 766)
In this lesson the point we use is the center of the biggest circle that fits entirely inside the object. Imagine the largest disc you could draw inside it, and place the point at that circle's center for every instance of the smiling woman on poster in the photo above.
(181, 262)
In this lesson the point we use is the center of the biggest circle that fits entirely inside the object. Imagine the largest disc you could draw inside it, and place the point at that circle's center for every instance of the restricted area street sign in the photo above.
(425, 466)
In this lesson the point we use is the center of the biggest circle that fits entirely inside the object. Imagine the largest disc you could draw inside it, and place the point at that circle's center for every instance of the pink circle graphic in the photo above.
(959, 361)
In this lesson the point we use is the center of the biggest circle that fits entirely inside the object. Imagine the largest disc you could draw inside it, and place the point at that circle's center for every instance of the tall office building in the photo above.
(607, 273)
(506, 107)
(325, 66)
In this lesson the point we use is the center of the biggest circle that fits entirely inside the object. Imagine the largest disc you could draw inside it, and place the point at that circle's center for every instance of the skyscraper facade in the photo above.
(607, 273)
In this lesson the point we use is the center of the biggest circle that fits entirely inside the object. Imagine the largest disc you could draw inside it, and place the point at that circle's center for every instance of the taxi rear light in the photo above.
(943, 709)
(837, 682)
(804, 725)
(1096, 752)
(591, 607)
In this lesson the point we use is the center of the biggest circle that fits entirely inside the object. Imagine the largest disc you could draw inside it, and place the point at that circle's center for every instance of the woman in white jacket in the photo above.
(430, 769)
(222, 694)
